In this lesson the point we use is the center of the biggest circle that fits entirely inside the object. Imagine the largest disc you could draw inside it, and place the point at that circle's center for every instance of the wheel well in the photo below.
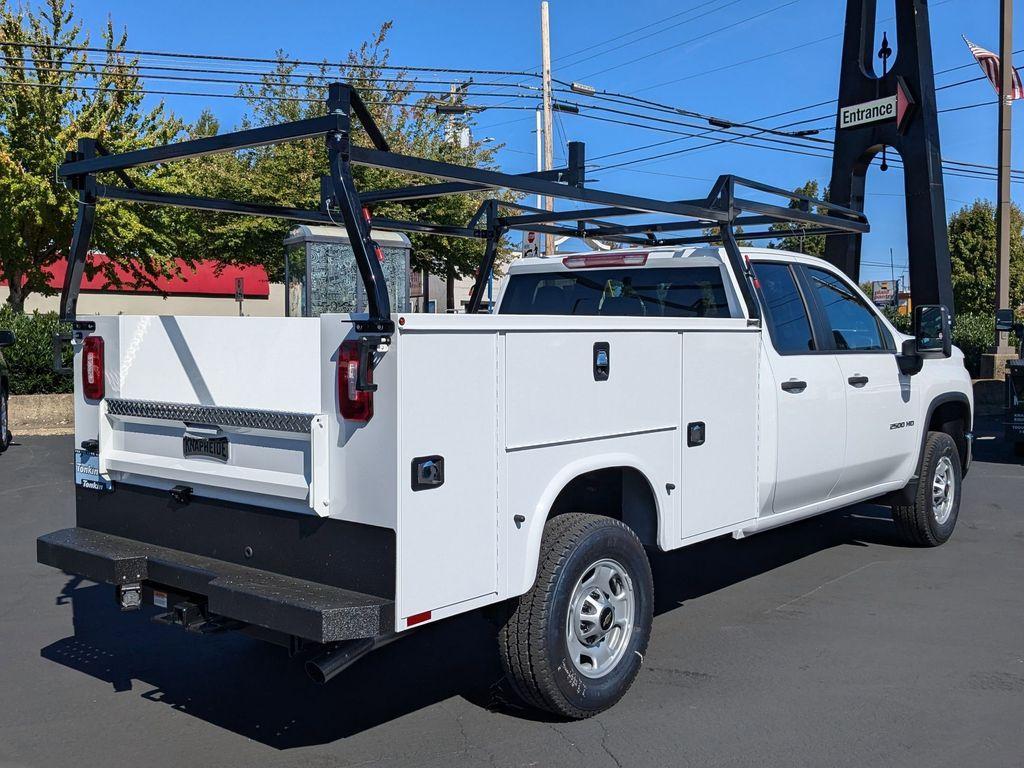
(954, 418)
(622, 493)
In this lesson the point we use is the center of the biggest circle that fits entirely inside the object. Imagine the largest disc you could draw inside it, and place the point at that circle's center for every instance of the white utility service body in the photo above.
(512, 405)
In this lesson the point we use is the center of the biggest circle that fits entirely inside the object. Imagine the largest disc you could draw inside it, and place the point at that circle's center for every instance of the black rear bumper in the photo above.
(319, 579)
(306, 609)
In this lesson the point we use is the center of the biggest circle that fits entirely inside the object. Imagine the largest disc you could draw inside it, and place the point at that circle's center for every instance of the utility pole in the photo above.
(549, 150)
(1003, 211)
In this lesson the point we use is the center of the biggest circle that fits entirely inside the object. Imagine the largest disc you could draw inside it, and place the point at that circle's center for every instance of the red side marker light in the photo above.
(417, 618)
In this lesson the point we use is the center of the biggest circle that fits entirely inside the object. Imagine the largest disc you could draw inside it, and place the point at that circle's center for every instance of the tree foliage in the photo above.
(972, 248)
(62, 96)
(813, 245)
(289, 174)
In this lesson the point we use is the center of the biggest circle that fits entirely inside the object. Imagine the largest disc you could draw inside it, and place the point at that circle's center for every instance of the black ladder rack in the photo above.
(607, 216)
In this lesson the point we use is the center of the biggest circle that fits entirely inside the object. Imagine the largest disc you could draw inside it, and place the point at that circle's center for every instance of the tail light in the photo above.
(93, 368)
(594, 260)
(354, 403)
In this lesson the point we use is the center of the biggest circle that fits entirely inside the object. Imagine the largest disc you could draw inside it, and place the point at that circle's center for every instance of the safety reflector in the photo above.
(417, 618)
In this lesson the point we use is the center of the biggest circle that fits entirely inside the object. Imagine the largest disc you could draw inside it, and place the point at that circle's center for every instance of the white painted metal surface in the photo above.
(513, 406)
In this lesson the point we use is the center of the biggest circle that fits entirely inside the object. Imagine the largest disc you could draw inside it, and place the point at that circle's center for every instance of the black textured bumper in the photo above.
(307, 609)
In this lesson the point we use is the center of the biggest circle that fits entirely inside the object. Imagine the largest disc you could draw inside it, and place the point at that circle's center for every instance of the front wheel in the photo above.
(930, 520)
(574, 643)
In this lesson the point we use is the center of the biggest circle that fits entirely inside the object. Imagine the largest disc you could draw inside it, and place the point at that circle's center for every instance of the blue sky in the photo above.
(686, 61)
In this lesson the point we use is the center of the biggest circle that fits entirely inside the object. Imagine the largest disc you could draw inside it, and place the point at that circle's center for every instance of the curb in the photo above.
(42, 414)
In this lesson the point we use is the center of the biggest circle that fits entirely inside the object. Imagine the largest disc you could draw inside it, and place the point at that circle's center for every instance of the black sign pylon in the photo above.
(908, 123)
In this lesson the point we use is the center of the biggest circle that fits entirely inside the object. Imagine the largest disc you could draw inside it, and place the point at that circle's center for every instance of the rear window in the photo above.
(622, 292)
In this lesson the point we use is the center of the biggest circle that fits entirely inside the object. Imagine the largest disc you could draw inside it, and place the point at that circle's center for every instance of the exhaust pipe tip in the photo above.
(328, 665)
(315, 671)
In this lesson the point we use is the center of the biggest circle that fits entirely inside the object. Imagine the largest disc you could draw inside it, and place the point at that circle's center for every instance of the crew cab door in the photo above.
(881, 403)
(810, 401)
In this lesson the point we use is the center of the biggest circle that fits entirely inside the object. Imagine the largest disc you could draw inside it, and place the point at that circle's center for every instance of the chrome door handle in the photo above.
(794, 386)
(858, 381)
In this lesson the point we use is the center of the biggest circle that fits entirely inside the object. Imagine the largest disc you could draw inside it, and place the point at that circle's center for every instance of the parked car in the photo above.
(6, 340)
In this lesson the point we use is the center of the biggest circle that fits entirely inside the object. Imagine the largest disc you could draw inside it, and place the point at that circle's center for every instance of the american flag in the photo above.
(989, 64)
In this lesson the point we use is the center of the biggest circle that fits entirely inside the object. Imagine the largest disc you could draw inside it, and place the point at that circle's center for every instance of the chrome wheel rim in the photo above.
(943, 490)
(600, 621)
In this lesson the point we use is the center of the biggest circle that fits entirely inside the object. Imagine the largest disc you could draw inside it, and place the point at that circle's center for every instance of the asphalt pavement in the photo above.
(824, 643)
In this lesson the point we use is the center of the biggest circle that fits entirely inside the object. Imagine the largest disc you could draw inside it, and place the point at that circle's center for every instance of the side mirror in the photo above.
(932, 332)
(7, 338)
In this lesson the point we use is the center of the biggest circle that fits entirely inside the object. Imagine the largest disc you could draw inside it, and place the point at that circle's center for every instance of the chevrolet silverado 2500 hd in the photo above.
(333, 482)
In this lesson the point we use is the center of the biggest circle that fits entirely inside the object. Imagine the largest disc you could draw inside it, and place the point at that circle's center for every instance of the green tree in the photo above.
(813, 245)
(60, 95)
(289, 174)
(972, 248)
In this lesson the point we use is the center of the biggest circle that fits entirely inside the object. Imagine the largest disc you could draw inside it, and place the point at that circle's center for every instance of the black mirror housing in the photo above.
(908, 360)
(933, 334)
(7, 338)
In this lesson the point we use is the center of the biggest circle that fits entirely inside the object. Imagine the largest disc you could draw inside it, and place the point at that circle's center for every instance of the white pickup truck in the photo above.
(282, 477)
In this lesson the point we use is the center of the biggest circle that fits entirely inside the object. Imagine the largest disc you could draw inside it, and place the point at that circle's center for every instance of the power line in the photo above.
(272, 74)
(652, 34)
(258, 97)
(230, 81)
(258, 60)
(709, 33)
(780, 52)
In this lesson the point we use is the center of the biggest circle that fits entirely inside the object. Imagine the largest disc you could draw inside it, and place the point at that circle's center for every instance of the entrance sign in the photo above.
(898, 107)
(870, 112)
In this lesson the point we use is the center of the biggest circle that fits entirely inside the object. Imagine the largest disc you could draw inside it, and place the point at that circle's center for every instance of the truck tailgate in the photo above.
(230, 407)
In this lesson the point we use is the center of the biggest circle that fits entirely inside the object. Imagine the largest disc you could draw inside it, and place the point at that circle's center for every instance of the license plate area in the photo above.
(205, 443)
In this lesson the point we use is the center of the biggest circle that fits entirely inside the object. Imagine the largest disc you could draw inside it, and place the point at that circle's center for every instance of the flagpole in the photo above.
(1003, 211)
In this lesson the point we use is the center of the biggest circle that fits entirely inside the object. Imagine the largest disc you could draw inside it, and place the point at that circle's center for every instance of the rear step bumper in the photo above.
(313, 611)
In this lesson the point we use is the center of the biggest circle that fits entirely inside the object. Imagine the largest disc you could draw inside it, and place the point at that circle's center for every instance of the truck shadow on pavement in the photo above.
(252, 689)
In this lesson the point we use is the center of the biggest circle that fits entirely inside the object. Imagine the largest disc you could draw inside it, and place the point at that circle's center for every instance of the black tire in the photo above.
(5, 416)
(533, 641)
(919, 524)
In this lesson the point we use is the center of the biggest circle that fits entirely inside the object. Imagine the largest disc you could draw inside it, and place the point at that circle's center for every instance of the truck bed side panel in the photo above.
(719, 390)
(447, 535)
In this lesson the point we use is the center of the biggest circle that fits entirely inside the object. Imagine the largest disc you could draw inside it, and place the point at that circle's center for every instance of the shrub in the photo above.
(975, 333)
(30, 359)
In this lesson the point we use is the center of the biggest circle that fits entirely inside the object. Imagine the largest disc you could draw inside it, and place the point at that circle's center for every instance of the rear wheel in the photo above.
(574, 643)
(5, 422)
(930, 520)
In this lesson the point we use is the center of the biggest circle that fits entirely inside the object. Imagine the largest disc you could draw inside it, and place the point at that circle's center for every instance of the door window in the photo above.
(788, 323)
(852, 324)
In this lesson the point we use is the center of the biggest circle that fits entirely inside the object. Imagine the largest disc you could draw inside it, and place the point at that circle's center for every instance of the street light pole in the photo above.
(1003, 211)
(549, 151)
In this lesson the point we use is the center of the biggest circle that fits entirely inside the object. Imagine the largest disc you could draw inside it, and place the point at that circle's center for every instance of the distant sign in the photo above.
(239, 288)
(415, 284)
(531, 244)
(884, 292)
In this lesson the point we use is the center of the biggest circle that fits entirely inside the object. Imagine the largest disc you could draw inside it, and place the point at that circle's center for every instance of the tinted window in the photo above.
(853, 324)
(659, 292)
(787, 315)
